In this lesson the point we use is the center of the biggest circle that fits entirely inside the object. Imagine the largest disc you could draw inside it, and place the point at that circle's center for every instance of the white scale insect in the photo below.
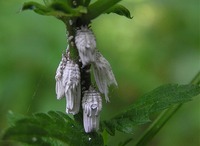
(86, 45)
(68, 84)
(68, 79)
(92, 105)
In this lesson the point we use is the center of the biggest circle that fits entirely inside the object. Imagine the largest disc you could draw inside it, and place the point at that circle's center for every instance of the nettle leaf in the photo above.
(52, 129)
(120, 10)
(57, 8)
(36, 7)
(48, 2)
(99, 7)
(12, 118)
(86, 2)
(155, 101)
(66, 9)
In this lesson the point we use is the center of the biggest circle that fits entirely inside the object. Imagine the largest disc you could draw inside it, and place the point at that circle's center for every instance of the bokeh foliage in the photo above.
(159, 45)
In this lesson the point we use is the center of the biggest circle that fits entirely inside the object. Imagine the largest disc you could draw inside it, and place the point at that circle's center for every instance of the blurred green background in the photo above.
(161, 44)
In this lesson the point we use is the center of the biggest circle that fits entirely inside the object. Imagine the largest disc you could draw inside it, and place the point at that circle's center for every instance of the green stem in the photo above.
(161, 120)
(71, 26)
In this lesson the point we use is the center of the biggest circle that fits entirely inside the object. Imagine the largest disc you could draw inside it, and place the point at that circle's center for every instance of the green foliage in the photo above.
(86, 2)
(57, 8)
(125, 142)
(50, 129)
(100, 7)
(62, 9)
(56, 127)
(40, 129)
(120, 10)
(38, 8)
(155, 101)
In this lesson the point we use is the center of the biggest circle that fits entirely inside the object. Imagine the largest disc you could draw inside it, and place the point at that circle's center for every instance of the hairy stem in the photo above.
(161, 120)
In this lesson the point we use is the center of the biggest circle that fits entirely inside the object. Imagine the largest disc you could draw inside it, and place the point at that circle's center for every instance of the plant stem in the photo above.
(161, 120)
(71, 26)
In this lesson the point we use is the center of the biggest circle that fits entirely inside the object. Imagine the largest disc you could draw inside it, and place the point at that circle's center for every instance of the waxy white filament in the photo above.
(103, 74)
(60, 89)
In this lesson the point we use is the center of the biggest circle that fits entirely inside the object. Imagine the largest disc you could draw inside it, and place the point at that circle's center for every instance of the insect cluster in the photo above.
(68, 79)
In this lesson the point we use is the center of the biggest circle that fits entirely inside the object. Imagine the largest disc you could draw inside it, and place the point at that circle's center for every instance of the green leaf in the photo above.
(155, 101)
(120, 10)
(66, 9)
(36, 7)
(47, 2)
(57, 8)
(12, 118)
(99, 7)
(86, 2)
(125, 142)
(52, 129)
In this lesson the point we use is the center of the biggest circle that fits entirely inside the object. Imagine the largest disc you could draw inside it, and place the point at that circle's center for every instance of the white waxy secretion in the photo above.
(103, 74)
(92, 105)
(68, 83)
(70, 22)
(68, 79)
(86, 45)
(70, 38)
(71, 82)
(60, 89)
